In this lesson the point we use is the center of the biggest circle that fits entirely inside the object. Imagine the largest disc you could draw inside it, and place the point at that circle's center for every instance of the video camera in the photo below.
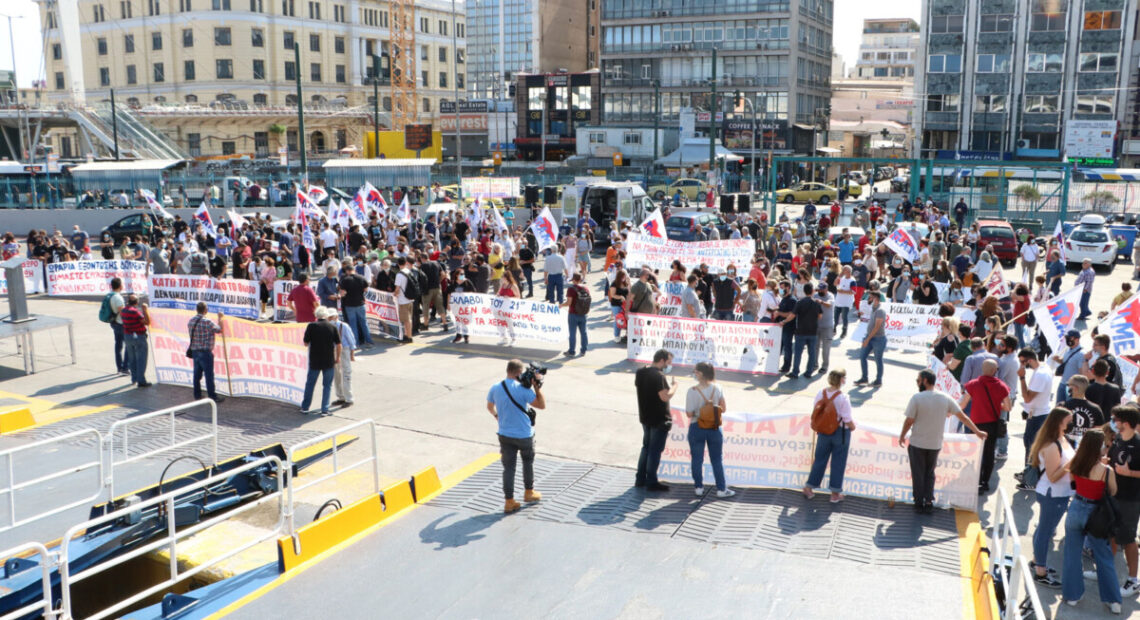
(532, 376)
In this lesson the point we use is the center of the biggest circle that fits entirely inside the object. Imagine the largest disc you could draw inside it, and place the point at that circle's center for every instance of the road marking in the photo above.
(48, 412)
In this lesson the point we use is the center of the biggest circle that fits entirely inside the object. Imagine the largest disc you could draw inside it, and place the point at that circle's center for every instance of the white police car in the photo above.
(1092, 240)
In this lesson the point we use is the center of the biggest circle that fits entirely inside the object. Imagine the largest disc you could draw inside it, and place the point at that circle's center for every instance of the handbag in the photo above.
(1003, 427)
(1105, 517)
(189, 353)
(529, 411)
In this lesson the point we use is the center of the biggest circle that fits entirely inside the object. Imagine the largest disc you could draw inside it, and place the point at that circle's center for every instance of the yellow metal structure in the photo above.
(403, 62)
(392, 146)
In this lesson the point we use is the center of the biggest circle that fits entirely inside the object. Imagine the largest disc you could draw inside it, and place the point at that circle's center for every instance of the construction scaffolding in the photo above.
(403, 63)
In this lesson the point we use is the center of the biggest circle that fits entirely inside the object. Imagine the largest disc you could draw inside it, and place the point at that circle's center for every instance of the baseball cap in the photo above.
(1072, 333)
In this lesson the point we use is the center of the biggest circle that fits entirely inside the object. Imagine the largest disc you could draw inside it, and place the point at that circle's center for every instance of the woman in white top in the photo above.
(1049, 454)
(769, 303)
(983, 268)
(835, 445)
(706, 392)
(844, 298)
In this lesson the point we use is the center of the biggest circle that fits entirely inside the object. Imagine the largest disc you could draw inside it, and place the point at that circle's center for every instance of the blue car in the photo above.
(682, 226)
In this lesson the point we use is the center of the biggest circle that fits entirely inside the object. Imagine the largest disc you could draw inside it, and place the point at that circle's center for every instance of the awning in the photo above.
(805, 127)
(1110, 174)
(352, 173)
(128, 175)
(828, 150)
(694, 152)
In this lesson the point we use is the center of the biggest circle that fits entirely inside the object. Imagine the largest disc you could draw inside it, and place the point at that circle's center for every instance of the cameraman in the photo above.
(508, 401)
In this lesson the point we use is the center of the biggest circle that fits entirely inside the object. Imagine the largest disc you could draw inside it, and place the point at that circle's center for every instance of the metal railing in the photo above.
(170, 541)
(172, 414)
(13, 488)
(1011, 567)
(337, 469)
(47, 563)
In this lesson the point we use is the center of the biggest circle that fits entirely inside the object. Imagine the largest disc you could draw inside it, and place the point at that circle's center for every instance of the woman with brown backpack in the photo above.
(705, 404)
(831, 420)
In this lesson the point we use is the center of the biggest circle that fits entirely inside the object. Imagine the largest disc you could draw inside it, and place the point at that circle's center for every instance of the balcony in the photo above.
(695, 9)
(760, 81)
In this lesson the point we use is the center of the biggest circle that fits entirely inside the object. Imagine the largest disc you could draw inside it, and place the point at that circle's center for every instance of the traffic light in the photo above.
(511, 91)
(737, 99)
(827, 110)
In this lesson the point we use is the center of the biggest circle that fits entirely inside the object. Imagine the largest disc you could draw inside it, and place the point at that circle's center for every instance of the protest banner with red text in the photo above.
(910, 327)
(33, 277)
(382, 314)
(726, 345)
(489, 316)
(641, 250)
(93, 277)
(238, 298)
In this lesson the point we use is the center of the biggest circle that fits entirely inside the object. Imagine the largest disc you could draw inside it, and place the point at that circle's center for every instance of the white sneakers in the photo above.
(1113, 607)
(700, 492)
(1131, 587)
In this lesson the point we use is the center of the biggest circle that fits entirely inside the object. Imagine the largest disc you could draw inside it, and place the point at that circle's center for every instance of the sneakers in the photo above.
(657, 486)
(836, 498)
(569, 353)
(1113, 607)
(1048, 580)
(1001, 456)
(1130, 588)
(1090, 575)
(511, 506)
(725, 493)
(699, 491)
(861, 382)
(617, 340)
(531, 496)
(1021, 486)
(1072, 603)
(877, 384)
(808, 492)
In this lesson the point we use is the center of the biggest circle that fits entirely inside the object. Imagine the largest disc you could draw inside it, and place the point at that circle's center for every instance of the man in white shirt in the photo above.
(328, 240)
(555, 276)
(1036, 387)
(1029, 254)
(403, 302)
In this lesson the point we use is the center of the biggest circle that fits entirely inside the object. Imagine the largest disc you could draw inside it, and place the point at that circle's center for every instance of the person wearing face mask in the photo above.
(806, 316)
(1069, 363)
(653, 394)
(926, 294)
(725, 292)
(832, 447)
(1124, 457)
(875, 342)
(862, 275)
(786, 316)
(900, 286)
(460, 284)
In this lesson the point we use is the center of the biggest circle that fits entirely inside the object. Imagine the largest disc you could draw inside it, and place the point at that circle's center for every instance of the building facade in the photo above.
(776, 53)
(1027, 79)
(551, 106)
(888, 50)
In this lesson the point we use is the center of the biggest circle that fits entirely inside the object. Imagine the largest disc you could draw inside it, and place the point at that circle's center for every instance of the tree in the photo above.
(1101, 200)
(1027, 193)
(278, 130)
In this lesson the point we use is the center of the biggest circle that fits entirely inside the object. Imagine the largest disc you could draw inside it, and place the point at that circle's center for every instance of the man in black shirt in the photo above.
(351, 287)
(526, 261)
(1124, 457)
(807, 313)
(479, 273)
(653, 394)
(217, 264)
(926, 294)
(1106, 395)
(324, 355)
(786, 315)
(1086, 414)
(1101, 351)
(356, 239)
(432, 295)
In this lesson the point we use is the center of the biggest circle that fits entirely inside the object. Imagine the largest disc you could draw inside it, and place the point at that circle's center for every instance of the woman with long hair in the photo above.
(618, 293)
(1093, 481)
(460, 284)
(1050, 454)
(1020, 311)
(750, 301)
(832, 447)
(266, 278)
(678, 274)
(990, 306)
(706, 393)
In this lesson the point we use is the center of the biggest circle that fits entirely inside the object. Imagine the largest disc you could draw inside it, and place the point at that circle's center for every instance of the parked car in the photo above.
(854, 190)
(1001, 235)
(835, 233)
(693, 189)
(916, 230)
(128, 225)
(857, 176)
(816, 192)
(1091, 240)
(682, 225)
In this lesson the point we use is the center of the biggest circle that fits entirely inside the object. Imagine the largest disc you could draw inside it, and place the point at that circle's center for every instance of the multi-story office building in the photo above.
(190, 53)
(1039, 79)
(550, 108)
(888, 50)
(777, 53)
(525, 36)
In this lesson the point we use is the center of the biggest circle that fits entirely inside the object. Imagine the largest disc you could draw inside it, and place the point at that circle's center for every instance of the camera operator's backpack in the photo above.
(582, 300)
(708, 416)
(824, 417)
(412, 288)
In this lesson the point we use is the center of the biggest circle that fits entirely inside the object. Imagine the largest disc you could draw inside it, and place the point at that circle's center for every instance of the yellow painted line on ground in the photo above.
(449, 481)
(45, 411)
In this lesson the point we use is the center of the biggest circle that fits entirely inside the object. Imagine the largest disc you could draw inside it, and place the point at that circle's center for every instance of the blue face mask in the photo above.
(1112, 425)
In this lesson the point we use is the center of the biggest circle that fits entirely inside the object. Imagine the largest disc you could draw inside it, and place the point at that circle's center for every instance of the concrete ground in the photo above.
(428, 401)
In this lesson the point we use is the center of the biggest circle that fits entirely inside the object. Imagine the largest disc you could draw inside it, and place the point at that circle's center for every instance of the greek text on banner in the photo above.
(93, 277)
(33, 277)
(727, 345)
(230, 297)
(488, 316)
(658, 254)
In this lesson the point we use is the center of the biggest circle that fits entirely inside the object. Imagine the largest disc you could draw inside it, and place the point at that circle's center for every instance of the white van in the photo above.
(607, 201)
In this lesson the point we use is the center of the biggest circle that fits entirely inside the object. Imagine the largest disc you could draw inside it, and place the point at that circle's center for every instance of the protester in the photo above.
(324, 345)
(654, 392)
(507, 401)
(554, 275)
(1069, 363)
(643, 294)
(832, 447)
(1085, 281)
(327, 286)
(202, 331)
(706, 394)
(725, 292)
(1106, 395)
(135, 319)
(433, 296)
(578, 308)
(1092, 480)
(351, 291)
(826, 327)
(110, 311)
(1124, 457)
(1050, 455)
(1086, 414)
(342, 378)
(986, 398)
(926, 415)
(806, 314)
(618, 294)
(875, 342)
(406, 291)
(1036, 383)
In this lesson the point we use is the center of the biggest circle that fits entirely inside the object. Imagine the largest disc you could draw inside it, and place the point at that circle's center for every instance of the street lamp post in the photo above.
(712, 118)
(300, 117)
(656, 118)
(455, 82)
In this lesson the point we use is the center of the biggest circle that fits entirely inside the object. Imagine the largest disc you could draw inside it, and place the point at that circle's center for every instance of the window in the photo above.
(443, 27)
(132, 75)
(1092, 63)
(992, 63)
(424, 53)
(153, 7)
(339, 13)
(191, 98)
(1048, 15)
(257, 37)
(631, 137)
(459, 80)
(256, 6)
(221, 5)
(315, 72)
(460, 56)
(128, 44)
(99, 15)
(101, 45)
(427, 104)
(423, 78)
(155, 41)
(260, 99)
(442, 54)
(57, 51)
(947, 23)
(159, 72)
(942, 103)
(224, 69)
(126, 11)
(288, 7)
(104, 76)
(258, 69)
(59, 80)
(221, 36)
(228, 147)
(338, 45)
(340, 74)
(288, 40)
(425, 24)
(1042, 104)
(996, 23)
(443, 79)
(185, 6)
(460, 30)
(188, 37)
(188, 70)
(1042, 62)
(341, 139)
(990, 103)
(1102, 20)
(314, 43)
(290, 70)
(314, 10)
(597, 137)
(1095, 104)
(944, 63)
(193, 140)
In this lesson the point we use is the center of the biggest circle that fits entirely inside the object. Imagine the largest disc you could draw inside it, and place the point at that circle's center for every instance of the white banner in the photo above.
(93, 277)
(382, 314)
(642, 250)
(996, 284)
(33, 277)
(281, 290)
(238, 298)
(489, 316)
(669, 301)
(1056, 316)
(776, 450)
(727, 345)
(491, 187)
(944, 380)
(910, 327)
(901, 243)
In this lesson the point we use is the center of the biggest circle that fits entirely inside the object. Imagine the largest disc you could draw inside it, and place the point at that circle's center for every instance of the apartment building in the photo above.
(888, 50)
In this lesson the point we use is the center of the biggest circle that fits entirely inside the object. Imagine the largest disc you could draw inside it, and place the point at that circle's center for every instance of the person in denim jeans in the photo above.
(835, 445)
(115, 300)
(654, 392)
(576, 321)
(706, 393)
(875, 341)
(1050, 454)
(324, 355)
(135, 321)
(786, 316)
(1094, 481)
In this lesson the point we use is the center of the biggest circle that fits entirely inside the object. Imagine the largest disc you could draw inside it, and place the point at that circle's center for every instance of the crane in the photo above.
(403, 62)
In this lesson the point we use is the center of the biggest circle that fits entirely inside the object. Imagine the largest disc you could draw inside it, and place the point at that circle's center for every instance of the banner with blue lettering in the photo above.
(1123, 324)
(238, 298)
(507, 318)
(93, 277)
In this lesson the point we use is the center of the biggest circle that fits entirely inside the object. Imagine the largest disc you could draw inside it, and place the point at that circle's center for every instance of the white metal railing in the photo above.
(170, 540)
(13, 488)
(337, 469)
(170, 413)
(1012, 567)
(47, 563)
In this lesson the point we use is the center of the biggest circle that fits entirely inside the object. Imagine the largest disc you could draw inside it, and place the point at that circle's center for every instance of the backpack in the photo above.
(582, 300)
(412, 288)
(708, 416)
(421, 280)
(106, 313)
(824, 417)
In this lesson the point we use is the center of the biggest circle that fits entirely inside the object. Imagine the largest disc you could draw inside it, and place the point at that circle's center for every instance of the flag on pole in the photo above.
(404, 211)
(372, 200)
(203, 217)
(317, 193)
(155, 205)
(237, 220)
(1056, 315)
(357, 209)
(499, 223)
(545, 230)
(904, 245)
(343, 215)
(1123, 325)
(996, 283)
(306, 233)
(654, 226)
(1059, 235)
(306, 204)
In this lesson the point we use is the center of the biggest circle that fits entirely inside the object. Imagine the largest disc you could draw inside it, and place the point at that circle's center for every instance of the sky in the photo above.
(849, 16)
